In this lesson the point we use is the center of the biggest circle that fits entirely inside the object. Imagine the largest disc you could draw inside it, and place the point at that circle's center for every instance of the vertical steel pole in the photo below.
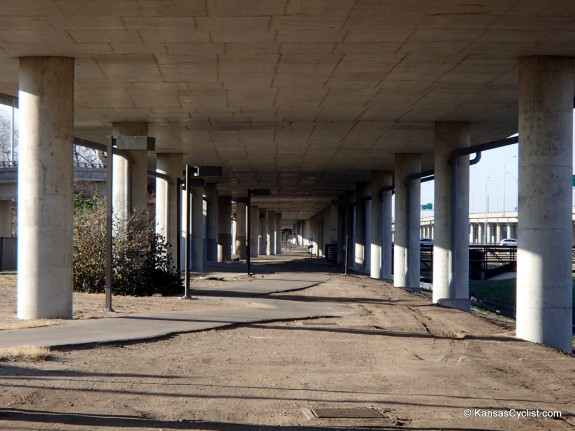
(109, 223)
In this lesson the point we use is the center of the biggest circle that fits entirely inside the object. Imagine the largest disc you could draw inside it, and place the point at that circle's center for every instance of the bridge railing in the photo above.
(485, 261)
(10, 164)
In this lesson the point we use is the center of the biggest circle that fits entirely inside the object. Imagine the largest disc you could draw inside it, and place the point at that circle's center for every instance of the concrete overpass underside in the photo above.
(309, 99)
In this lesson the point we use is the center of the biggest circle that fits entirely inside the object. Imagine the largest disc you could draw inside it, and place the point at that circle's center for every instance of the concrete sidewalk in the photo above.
(251, 308)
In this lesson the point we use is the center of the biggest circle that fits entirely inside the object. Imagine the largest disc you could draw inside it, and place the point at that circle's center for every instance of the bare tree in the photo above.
(8, 133)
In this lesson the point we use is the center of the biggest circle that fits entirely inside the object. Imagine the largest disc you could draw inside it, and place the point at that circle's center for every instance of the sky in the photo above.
(491, 181)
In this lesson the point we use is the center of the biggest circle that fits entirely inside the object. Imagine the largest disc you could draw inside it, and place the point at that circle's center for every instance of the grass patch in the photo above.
(24, 324)
(497, 291)
(499, 296)
(25, 353)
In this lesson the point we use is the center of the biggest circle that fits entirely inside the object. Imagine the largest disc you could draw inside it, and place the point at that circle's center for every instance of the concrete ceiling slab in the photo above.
(306, 97)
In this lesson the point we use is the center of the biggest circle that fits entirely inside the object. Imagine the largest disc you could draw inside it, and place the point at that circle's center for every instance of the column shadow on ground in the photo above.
(127, 421)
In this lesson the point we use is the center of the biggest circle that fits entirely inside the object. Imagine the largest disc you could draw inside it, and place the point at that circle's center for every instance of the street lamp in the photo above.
(252, 192)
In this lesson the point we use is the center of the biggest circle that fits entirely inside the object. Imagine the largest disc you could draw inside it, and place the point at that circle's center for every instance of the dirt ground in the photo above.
(415, 365)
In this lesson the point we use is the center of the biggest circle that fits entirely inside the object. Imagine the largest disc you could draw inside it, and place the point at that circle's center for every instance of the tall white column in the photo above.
(167, 199)
(241, 230)
(131, 176)
(255, 230)
(138, 168)
(272, 232)
(378, 181)
(198, 233)
(451, 221)
(362, 191)
(224, 228)
(46, 97)
(184, 195)
(386, 232)
(265, 233)
(544, 274)
(120, 191)
(407, 202)
(341, 231)
(212, 234)
(278, 233)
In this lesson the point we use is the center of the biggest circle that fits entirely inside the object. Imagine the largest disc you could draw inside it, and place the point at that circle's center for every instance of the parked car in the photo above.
(425, 241)
(509, 242)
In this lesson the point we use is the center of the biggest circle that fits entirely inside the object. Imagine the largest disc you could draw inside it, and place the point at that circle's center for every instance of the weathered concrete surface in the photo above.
(45, 187)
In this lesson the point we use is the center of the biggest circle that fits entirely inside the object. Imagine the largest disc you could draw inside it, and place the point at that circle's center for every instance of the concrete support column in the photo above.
(255, 230)
(350, 228)
(167, 199)
(386, 232)
(490, 233)
(378, 181)
(213, 217)
(279, 233)
(138, 169)
(407, 214)
(241, 227)
(225, 229)
(184, 195)
(46, 97)
(341, 208)
(272, 232)
(544, 274)
(120, 191)
(362, 191)
(198, 234)
(451, 221)
(263, 240)
(131, 175)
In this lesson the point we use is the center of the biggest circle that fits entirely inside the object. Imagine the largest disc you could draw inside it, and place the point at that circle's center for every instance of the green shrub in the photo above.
(141, 263)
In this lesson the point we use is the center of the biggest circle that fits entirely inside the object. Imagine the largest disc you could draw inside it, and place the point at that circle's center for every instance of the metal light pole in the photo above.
(109, 224)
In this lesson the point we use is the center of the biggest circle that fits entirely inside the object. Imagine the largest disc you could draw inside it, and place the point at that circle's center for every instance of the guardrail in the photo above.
(8, 164)
(485, 261)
